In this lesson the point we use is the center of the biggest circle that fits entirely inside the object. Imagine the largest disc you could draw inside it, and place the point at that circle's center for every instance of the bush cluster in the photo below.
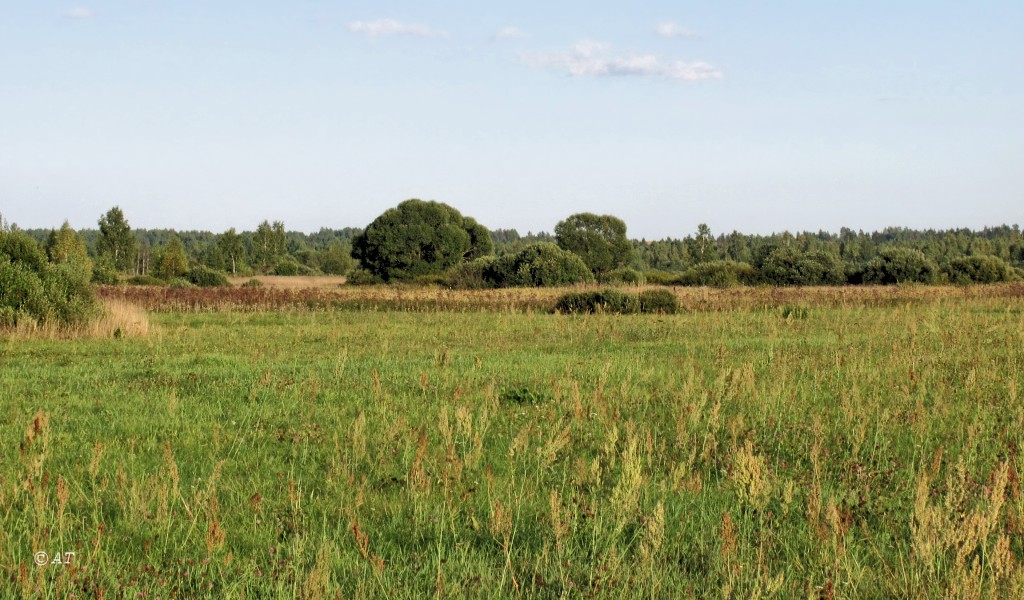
(538, 265)
(201, 276)
(145, 280)
(979, 269)
(623, 276)
(618, 302)
(35, 290)
(719, 273)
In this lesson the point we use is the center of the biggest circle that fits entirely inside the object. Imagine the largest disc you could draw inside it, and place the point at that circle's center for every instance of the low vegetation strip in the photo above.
(428, 299)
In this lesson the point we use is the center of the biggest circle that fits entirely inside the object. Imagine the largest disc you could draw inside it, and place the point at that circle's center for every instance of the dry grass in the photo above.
(292, 282)
(118, 319)
(408, 298)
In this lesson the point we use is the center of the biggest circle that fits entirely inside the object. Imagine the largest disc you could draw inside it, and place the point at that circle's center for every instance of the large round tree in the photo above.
(600, 240)
(419, 238)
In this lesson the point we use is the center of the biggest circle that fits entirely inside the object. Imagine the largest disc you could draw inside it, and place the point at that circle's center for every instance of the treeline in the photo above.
(893, 255)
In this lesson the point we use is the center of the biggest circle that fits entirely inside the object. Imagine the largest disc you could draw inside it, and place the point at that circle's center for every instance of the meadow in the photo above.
(383, 443)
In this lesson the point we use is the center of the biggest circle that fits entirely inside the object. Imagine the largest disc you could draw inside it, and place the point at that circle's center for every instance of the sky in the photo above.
(753, 116)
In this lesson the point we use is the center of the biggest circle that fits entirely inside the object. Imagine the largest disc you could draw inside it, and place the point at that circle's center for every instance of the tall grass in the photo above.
(862, 451)
(116, 318)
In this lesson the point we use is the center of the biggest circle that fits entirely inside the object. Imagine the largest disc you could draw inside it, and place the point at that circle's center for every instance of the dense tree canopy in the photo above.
(419, 238)
(600, 240)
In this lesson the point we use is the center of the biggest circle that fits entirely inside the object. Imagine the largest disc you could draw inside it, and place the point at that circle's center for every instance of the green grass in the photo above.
(857, 452)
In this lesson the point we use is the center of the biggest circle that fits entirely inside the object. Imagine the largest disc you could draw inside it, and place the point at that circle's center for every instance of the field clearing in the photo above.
(407, 298)
(868, 448)
(292, 282)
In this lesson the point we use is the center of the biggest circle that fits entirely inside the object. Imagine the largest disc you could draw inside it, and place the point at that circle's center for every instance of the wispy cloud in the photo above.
(511, 33)
(669, 29)
(385, 27)
(594, 59)
(79, 13)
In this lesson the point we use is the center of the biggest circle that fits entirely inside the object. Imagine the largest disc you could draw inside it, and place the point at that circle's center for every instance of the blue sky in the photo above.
(756, 116)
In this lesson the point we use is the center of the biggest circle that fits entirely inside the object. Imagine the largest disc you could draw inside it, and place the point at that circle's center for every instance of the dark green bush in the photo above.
(719, 274)
(658, 301)
(979, 269)
(431, 280)
(662, 278)
(145, 280)
(33, 289)
(623, 276)
(66, 288)
(178, 283)
(470, 275)
(205, 277)
(362, 277)
(788, 266)
(900, 265)
(21, 249)
(252, 283)
(286, 266)
(605, 301)
(538, 265)
(104, 272)
(21, 291)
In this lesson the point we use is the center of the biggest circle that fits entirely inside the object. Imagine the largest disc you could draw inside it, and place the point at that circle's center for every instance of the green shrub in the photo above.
(624, 276)
(431, 280)
(21, 291)
(538, 265)
(252, 283)
(900, 265)
(21, 249)
(979, 269)
(66, 289)
(363, 277)
(470, 275)
(719, 274)
(662, 278)
(205, 277)
(658, 301)
(178, 283)
(788, 266)
(145, 280)
(104, 272)
(33, 289)
(605, 301)
(286, 266)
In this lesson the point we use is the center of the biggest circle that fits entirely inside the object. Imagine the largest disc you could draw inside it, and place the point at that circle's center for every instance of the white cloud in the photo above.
(593, 59)
(383, 27)
(511, 33)
(79, 13)
(669, 29)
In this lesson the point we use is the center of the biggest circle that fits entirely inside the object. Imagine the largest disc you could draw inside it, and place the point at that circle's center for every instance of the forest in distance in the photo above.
(272, 249)
(892, 255)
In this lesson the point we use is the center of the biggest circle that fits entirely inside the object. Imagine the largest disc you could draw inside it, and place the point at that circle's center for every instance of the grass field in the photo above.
(864, 448)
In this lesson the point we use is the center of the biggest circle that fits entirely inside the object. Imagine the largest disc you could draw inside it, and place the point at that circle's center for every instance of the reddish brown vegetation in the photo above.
(164, 299)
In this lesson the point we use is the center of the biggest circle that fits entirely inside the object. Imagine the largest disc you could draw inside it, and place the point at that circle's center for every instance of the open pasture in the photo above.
(855, 447)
